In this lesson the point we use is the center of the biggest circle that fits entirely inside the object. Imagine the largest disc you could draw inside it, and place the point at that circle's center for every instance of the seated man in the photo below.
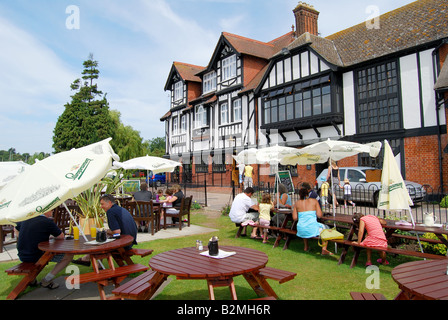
(33, 231)
(119, 219)
(244, 209)
(120, 222)
(144, 194)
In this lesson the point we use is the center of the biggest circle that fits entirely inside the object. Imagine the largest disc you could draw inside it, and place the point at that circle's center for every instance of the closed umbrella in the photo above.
(50, 182)
(394, 195)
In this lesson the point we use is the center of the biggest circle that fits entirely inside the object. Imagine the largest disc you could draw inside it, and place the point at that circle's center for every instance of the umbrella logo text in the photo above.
(39, 209)
(80, 172)
(4, 205)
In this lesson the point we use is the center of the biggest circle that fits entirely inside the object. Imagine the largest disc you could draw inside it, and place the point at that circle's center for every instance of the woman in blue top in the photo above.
(306, 210)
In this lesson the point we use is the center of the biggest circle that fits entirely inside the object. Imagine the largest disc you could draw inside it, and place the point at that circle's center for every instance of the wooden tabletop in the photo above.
(425, 279)
(188, 263)
(78, 247)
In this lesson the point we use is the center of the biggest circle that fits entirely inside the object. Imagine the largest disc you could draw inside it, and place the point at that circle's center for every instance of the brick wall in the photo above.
(422, 163)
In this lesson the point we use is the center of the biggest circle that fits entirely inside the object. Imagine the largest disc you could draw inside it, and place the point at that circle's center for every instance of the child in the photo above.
(347, 193)
(160, 194)
(265, 207)
(375, 235)
(324, 193)
(166, 203)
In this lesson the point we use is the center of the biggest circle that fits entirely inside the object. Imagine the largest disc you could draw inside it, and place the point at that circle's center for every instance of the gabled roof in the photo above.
(247, 46)
(415, 24)
(185, 70)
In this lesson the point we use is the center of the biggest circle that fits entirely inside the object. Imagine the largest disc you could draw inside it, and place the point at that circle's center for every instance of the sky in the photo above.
(45, 42)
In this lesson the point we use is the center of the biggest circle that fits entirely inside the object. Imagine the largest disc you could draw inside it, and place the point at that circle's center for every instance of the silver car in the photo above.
(363, 191)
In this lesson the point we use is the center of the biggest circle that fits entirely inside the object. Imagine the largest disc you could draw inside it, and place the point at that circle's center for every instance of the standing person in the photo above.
(348, 193)
(375, 235)
(241, 167)
(244, 209)
(144, 194)
(335, 179)
(248, 172)
(33, 231)
(324, 193)
(306, 211)
(265, 207)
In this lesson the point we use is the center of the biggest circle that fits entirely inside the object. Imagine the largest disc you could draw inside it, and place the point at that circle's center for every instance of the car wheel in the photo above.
(158, 184)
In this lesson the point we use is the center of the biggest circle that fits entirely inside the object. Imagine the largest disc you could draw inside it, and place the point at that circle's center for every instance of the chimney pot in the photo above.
(306, 19)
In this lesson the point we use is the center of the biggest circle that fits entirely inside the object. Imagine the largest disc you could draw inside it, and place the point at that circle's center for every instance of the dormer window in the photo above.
(209, 82)
(178, 91)
(229, 68)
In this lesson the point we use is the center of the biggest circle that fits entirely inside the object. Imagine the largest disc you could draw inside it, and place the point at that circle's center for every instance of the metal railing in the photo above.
(426, 200)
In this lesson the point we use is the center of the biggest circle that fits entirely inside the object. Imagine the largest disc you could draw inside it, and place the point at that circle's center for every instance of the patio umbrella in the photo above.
(330, 150)
(155, 164)
(9, 170)
(50, 182)
(394, 195)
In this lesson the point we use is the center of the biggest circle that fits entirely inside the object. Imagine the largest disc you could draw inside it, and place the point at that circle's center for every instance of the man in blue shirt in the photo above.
(31, 233)
(120, 222)
(119, 219)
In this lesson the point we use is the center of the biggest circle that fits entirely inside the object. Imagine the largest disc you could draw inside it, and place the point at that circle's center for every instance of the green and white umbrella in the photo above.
(9, 170)
(50, 182)
(394, 195)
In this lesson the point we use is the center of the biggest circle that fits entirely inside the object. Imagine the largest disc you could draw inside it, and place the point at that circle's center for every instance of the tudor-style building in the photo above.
(365, 83)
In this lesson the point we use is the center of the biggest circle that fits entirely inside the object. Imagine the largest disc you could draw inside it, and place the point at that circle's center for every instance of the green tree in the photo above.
(86, 118)
(157, 146)
(127, 142)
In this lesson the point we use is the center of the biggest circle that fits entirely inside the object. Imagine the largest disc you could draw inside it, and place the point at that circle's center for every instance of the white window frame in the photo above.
(178, 91)
(183, 124)
(200, 117)
(175, 125)
(237, 110)
(224, 111)
(209, 82)
(229, 68)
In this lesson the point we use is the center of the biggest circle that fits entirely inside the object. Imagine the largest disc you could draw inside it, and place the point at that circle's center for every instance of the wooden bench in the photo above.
(21, 269)
(347, 244)
(367, 296)
(139, 288)
(27, 269)
(108, 274)
(281, 276)
(139, 252)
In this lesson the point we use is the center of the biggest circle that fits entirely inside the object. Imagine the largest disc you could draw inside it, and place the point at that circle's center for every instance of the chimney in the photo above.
(306, 19)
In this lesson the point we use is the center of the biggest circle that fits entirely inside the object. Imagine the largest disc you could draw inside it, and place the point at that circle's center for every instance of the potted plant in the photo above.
(90, 212)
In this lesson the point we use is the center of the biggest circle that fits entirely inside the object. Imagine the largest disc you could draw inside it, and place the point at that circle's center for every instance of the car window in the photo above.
(342, 174)
(355, 175)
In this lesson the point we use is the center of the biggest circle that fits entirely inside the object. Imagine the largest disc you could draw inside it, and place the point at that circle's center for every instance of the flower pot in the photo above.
(86, 224)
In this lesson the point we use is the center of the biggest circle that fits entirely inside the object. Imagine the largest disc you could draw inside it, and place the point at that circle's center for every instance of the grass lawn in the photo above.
(318, 277)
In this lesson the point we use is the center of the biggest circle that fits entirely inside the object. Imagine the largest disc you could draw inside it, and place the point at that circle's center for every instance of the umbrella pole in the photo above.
(76, 223)
(416, 233)
(333, 200)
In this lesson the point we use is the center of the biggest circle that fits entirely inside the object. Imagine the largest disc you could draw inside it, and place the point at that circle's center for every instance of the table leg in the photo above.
(23, 284)
(260, 285)
(221, 283)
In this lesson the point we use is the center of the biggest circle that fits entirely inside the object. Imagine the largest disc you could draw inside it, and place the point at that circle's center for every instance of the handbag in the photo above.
(329, 234)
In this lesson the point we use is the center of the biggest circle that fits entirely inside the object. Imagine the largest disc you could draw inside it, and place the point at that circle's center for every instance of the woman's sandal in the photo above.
(327, 253)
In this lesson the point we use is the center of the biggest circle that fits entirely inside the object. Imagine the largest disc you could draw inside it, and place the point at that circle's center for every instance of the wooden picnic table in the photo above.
(391, 227)
(79, 247)
(189, 264)
(422, 280)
